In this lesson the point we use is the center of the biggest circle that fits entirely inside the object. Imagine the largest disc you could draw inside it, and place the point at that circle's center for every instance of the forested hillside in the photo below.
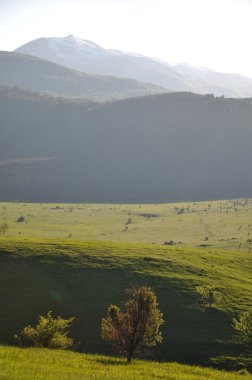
(151, 149)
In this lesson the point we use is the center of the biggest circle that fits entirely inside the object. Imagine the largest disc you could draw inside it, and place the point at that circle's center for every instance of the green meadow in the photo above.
(224, 224)
(78, 259)
(38, 364)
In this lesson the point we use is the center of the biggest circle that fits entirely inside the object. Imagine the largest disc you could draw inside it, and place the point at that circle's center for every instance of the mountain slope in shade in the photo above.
(35, 74)
(91, 58)
(152, 149)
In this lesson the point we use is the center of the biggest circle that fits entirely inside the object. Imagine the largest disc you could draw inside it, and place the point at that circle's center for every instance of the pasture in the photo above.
(215, 224)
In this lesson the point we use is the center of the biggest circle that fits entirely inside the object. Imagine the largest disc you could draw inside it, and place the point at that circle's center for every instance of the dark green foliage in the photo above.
(243, 325)
(21, 219)
(170, 242)
(49, 332)
(137, 328)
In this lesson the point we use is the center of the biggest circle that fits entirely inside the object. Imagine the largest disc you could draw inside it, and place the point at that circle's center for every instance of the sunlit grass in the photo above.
(38, 364)
(224, 224)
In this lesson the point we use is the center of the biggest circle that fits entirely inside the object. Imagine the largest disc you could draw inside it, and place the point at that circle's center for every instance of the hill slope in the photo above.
(58, 365)
(89, 57)
(38, 75)
(152, 149)
(83, 278)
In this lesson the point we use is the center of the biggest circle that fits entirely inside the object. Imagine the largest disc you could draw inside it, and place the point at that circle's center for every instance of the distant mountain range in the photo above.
(158, 148)
(60, 140)
(39, 75)
(91, 58)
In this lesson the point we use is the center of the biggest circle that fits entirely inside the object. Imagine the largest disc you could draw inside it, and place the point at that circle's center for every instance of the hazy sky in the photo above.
(212, 33)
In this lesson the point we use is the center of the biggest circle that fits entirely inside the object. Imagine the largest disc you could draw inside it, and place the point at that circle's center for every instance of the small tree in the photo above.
(50, 332)
(243, 325)
(209, 296)
(3, 228)
(137, 328)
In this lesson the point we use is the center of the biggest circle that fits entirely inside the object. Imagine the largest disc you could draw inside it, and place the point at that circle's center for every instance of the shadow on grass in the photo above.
(111, 361)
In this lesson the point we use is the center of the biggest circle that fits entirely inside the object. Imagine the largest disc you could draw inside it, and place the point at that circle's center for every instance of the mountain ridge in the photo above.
(37, 75)
(89, 57)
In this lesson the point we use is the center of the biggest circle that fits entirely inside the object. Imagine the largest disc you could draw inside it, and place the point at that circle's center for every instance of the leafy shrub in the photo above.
(49, 332)
(243, 325)
(209, 296)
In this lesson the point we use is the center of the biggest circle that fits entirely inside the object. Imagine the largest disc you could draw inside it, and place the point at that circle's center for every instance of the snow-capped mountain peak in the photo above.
(87, 56)
(78, 42)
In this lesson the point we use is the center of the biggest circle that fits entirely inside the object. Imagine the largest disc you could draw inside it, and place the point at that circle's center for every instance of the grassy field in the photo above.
(81, 279)
(38, 364)
(76, 259)
(218, 224)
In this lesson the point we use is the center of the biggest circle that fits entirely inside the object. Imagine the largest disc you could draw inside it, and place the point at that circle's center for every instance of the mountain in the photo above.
(167, 147)
(38, 75)
(89, 57)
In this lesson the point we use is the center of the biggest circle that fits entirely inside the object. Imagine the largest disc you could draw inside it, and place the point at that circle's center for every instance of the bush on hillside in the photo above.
(209, 296)
(243, 325)
(49, 332)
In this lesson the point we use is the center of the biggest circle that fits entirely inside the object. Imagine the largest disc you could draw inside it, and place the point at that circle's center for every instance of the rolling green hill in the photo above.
(82, 278)
(39, 75)
(161, 148)
(37, 364)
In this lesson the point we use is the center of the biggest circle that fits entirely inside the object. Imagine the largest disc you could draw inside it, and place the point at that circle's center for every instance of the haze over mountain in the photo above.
(91, 58)
(38, 75)
(150, 149)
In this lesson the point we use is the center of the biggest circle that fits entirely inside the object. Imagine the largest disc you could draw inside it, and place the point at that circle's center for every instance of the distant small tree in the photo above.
(3, 228)
(181, 211)
(209, 296)
(21, 219)
(137, 328)
(243, 325)
(49, 332)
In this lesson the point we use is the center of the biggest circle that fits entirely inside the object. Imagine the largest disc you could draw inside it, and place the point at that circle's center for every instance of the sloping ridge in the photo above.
(35, 74)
